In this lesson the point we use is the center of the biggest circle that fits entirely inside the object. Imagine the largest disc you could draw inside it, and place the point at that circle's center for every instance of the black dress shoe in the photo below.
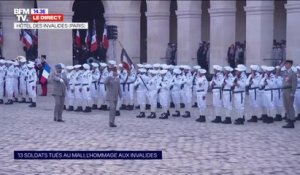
(278, 117)
(141, 115)
(290, 124)
(60, 121)
(23, 100)
(298, 117)
(227, 120)
(94, 106)
(177, 114)
(195, 105)
(137, 107)
(253, 119)
(239, 121)
(79, 109)
(217, 120)
(187, 114)
(182, 105)
(118, 113)
(201, 119)
(168, 113)
(71, 108)
(148, 106)
(1, 101)
(32, 105)
(123, 107)
(263, 117)
(268, 120)
(164, 116)
(152, 115)
(172, 105)
(112, 125)
(158, 105)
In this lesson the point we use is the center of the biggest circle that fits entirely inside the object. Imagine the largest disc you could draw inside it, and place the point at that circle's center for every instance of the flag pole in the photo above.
(135, 66)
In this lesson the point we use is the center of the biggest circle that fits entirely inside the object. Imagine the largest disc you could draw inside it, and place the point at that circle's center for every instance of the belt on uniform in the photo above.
(229, 90)
(85, 84)
(219, 91)
(202, 90)
(254, 88)
(271, 93)
(70, 84)
(31, 81)
(288, 87)
(77, 84)
(242, 95)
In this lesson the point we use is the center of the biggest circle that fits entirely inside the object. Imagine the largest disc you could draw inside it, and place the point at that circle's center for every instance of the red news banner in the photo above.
(47, 17)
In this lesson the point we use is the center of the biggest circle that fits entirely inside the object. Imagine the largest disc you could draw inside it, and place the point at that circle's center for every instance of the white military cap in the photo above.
(202, 71)
(95, 65)
(9, 62)
(177, 71)
(181, 66)
(283, 68)
(112, 62)
(244, 68)
(264, 67)
(187, 67)
(148, 66)
(298, 67)
(2, 61)
(30, 65)
(270, 68)
(15, 63)
(240, 69)
(77, 66)
(23, 60)
(156, 65)
(152, 71)
(120, 65)
(86, 66)
(228, 68)
(254, 67)
(139, 65)
(163, 71)
(69, 67)
(103, 64)
(164, 66)
(171, 66)
(197, 67)
(217, 67)
(142, 70)
(21, 57)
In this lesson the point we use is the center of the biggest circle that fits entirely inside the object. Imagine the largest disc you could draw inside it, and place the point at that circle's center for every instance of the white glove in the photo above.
(61, 80)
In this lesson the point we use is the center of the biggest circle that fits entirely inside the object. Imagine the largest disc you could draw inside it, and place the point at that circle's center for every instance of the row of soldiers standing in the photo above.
(18, 81)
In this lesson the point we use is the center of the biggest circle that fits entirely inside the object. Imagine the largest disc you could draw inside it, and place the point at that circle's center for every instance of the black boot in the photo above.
(227, 120)
(177, 114)
(1, 101)
(141, 115)
(164, 116)
(86, 109)
(172, 105)
(217, 120)
(152, 115)
(239, 121)
(105, 108)
(148, 106)
(290, 124)
(201, 119)
(9, 102)
(182, 105)
(118, 113)
(71, 108)
(32, 105)
(268, 119)
(131, 107)
(298, 117)
(137, 107)
(23, 100)
(263, 117)
(16, 100)
(94, 106)
(195, 105)
(79, 109)
(123, 107)
(253, 119)
(158, 105)
(278, 117)
(127, 107)
(187, 114)
(168, 113)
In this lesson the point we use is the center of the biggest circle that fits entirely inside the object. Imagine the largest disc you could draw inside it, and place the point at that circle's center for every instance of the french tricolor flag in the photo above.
(94, 45)
(46, 73)
(104, 38)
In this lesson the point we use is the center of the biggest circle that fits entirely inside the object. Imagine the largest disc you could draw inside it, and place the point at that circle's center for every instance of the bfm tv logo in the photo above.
(36, 15)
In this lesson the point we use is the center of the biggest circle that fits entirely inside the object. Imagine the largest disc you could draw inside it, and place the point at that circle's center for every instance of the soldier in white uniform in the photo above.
(175, 91)
(23, 80)
(239, 93)
(86, 88)
(194, 92)
(227, 96)
(16, 80)
(102, 87)
(31, 84)
(2, 80)
(94, 86)
(186, 90)
(164, 94)
(77, 88)
(152, 85)
(9, 82)
(268, 84)
(216, 86)
(297, 95)
(253, 82)
(140, 85)
(70, 95)
(201, 87)
(277, 93)
(130, 88)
